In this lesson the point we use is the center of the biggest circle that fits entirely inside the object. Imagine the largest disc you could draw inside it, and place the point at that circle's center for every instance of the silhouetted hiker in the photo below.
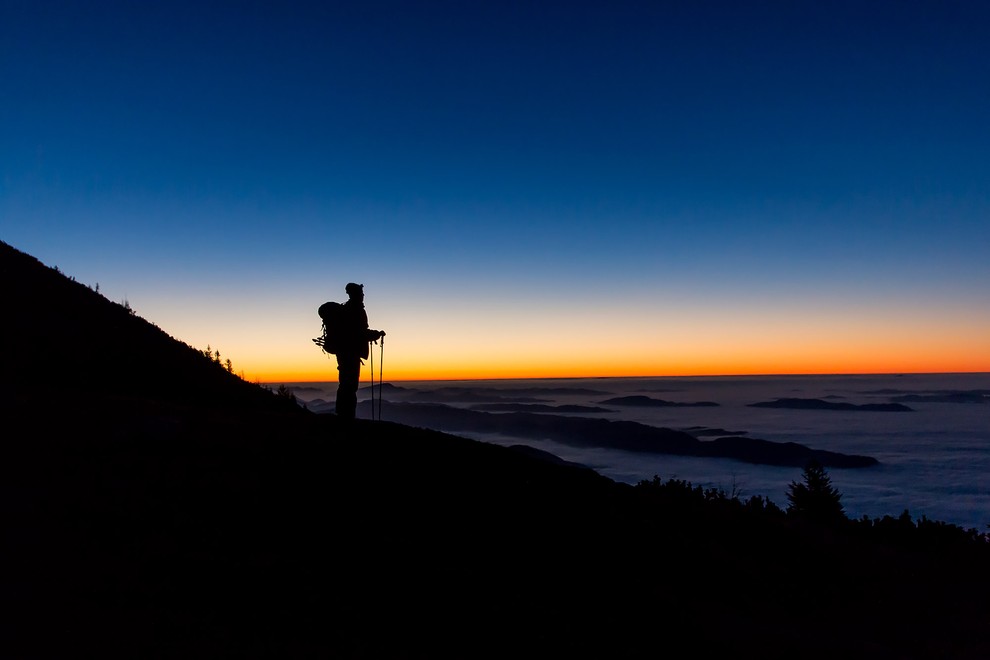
(352, 349)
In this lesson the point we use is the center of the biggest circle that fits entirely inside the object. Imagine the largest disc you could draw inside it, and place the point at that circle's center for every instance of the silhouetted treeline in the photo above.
(814, 501)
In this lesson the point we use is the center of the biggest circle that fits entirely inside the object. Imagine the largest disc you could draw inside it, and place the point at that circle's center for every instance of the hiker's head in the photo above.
(355, 290)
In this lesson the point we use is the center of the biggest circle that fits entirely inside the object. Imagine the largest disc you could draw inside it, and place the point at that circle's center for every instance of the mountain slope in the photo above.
(168, 509)
(61, 337)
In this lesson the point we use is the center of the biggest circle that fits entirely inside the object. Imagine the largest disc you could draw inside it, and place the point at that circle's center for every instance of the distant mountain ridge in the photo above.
(819, 404)
(641, 401)
(623, 435)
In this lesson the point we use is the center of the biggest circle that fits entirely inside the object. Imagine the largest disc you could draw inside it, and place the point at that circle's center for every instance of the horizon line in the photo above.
(641, 377)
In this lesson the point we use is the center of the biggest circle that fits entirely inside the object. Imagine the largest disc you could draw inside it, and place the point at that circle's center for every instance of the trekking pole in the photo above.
(371, 353)
(381, 367)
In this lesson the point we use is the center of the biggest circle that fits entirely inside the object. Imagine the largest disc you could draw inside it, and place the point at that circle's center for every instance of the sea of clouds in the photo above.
(934, 461)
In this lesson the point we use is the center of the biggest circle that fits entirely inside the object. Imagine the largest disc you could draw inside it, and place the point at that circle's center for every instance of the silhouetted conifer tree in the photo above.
(815, 499)
(286, 394)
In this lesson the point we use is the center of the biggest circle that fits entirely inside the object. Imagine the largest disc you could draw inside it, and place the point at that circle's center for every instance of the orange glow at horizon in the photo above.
(691, 343)
(725, 366)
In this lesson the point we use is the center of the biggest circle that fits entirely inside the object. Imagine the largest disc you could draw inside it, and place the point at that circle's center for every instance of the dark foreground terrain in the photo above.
(156, 506)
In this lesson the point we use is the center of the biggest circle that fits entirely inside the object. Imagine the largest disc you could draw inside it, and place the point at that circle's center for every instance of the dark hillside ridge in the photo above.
(624, 435)
(58, 335)
(179, 512)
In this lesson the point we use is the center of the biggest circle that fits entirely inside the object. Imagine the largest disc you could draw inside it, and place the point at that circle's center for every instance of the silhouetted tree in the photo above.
(286, 394)
(764, 505)
(815, 499)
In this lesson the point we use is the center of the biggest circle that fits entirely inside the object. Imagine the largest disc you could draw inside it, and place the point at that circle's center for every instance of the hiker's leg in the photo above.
(349, 374)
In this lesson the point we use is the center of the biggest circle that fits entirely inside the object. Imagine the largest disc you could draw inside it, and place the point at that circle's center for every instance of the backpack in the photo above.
(331, 313)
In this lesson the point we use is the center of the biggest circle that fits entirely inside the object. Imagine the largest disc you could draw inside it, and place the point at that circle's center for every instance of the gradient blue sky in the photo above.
(531, 188)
